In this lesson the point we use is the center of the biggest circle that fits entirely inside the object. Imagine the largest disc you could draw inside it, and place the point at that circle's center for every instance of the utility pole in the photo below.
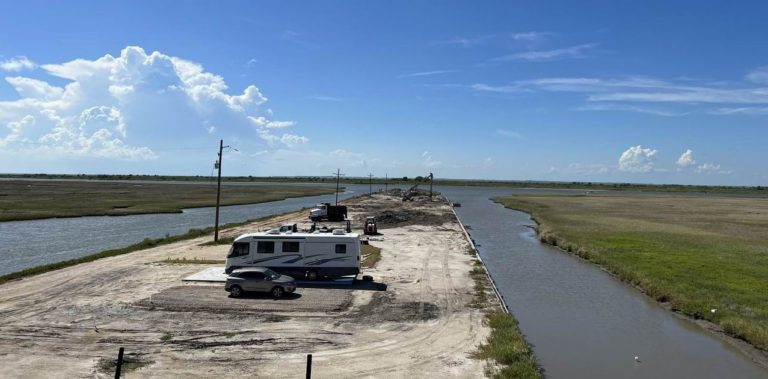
(431, 179)
(218, 193)
(338, 175)
(370, 184)
(386, 180)
(218, 188)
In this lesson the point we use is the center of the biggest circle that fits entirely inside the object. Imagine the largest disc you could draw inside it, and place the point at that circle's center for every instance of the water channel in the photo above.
(582, 322)
(25, 244)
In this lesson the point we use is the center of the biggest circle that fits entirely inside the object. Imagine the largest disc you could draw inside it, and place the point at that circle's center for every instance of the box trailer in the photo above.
(301, 255)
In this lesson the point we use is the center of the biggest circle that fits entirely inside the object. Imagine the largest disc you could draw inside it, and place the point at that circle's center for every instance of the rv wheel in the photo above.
(277, 292)
(236, 291)
(312, 275)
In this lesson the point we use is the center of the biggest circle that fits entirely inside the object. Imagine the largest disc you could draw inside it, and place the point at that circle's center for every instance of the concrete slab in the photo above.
(210, 274)
(215, 299)
(217, 275)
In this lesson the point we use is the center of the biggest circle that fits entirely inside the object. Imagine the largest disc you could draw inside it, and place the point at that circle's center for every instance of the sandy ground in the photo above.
(71, 322)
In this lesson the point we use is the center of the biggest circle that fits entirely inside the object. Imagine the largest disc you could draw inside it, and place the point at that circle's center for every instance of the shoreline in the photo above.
(754, 353)
(144, 244)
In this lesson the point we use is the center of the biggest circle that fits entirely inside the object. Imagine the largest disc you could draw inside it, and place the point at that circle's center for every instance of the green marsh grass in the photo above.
(695, 253)
(29, 199)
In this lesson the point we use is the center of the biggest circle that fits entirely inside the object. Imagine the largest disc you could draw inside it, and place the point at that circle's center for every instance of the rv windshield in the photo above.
(271, 275)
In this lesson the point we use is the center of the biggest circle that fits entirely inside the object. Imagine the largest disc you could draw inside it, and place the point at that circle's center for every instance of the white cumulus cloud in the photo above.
(17, 64)
(686, 159)
(710, 168)
(122, 106)
(637, 159)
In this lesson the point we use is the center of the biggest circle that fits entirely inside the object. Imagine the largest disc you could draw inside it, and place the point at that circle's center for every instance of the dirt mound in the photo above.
(383, 307)
(389, 218)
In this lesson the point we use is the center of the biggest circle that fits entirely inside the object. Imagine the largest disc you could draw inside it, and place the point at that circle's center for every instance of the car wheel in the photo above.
(236, 291)
(312, 275)
(278, 292)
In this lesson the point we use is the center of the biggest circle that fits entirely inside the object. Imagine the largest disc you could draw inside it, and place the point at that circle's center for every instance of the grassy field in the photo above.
(699, 254)
(25, 200)
(409, 181)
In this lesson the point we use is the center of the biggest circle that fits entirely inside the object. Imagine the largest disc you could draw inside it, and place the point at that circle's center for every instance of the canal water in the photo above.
(582, 322)
(25, 244)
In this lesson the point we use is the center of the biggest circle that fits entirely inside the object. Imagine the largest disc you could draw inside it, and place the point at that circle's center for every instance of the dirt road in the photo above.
(70, 323)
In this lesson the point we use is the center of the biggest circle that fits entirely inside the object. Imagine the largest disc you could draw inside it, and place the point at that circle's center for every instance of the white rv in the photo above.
(301, 255)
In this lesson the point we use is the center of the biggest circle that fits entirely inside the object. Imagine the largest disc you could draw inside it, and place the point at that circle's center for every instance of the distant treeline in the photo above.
(415, 180)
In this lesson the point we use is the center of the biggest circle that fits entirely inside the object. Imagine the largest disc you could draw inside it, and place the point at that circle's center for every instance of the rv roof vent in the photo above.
(274, 231)
(339, 232)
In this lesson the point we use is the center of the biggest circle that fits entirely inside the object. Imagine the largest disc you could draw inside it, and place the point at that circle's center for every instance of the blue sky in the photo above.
(616, 91)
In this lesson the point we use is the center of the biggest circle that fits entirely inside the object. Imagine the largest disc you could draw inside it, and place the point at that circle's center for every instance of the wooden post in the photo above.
(309, 366)
(218, 194)
(119, 365)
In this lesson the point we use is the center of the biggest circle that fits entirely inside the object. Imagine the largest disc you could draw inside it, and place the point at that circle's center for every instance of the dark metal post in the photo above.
(119, 363)
(218, 194)
(338, 175)
(431, 179)
(386, 181)
(370, 184)
(309, 366)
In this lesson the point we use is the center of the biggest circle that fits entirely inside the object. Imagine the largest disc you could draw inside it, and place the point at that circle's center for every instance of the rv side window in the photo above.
(239, 249)
(290, 247)
(265, 247)
(341, 249)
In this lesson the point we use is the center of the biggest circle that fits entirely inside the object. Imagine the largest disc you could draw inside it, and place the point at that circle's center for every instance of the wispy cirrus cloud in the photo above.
(758, 75)
(466, 41)
(426, 73)
(631, 108)
(509, 134)
(326, 98)
(572, 52)
(648, 95)
(740, 110)
(531, 36)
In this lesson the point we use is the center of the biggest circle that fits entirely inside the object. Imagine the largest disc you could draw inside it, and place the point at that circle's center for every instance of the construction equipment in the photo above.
(370, 227)
(408, 195)
(326, 211)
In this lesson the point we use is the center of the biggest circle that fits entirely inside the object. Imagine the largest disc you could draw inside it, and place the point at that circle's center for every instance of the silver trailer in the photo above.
(301, 255)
